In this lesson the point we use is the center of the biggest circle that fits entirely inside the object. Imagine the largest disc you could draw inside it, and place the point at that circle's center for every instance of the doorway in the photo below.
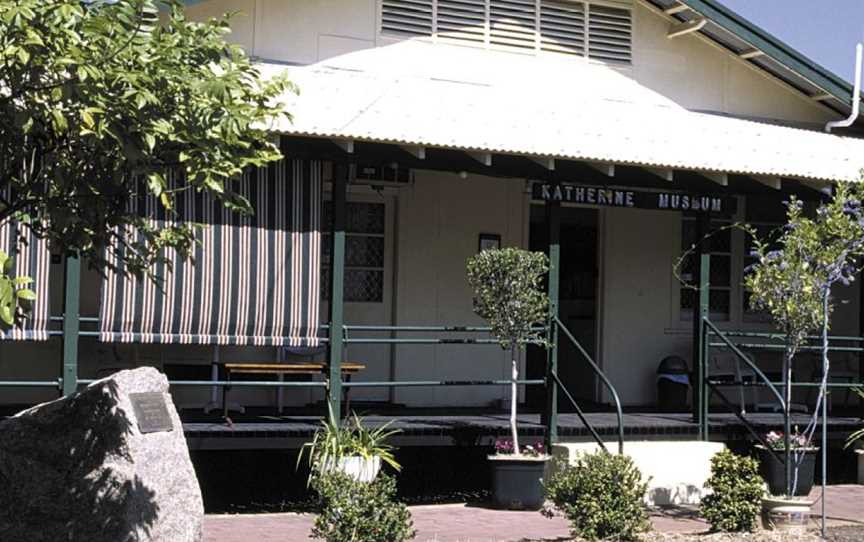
(577, 309)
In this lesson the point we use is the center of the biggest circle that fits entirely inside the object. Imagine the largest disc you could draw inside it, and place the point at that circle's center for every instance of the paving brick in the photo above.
(468, 523)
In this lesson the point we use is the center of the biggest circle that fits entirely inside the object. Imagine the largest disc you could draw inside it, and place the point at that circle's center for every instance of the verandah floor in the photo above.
(264, 428)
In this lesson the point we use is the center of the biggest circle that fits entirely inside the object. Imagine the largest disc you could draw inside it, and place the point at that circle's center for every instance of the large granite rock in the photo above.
(79, 469)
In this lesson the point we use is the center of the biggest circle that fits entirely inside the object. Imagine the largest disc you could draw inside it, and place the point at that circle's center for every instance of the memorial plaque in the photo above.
(151, 411)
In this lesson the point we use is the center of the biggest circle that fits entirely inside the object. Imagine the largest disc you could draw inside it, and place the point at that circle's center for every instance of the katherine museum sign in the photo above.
(618, 197)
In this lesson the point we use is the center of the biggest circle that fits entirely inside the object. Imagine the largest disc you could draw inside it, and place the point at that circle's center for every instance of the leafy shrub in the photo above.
(352, 511)
(737, 490)
(601, 495)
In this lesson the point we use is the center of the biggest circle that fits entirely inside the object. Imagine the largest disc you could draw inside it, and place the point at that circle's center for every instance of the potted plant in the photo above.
(352, 449)
(803, 457)
(508, 295)
(517, 479)
(792, 280)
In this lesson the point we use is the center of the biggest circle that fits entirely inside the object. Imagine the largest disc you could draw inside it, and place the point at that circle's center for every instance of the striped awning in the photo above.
(31, 259)
(251, 280)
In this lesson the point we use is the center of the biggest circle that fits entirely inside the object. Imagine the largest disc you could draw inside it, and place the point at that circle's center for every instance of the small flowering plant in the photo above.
(776, 441)
(504, 446)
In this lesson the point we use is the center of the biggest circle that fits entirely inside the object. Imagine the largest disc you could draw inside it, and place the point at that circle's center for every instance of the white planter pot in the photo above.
(787, 514)
(860, 454)
(357, 467)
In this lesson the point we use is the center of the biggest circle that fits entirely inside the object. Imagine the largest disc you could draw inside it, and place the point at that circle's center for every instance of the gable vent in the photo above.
(462, 20)
(512, 23)
(575, 27)
(609, 33)
(562, 27)
(406, 17)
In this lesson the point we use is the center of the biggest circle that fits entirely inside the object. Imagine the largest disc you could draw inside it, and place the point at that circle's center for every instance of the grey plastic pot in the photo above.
(517, 482)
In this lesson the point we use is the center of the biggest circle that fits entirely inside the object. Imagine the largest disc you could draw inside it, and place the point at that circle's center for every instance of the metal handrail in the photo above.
(603, 378)
(741, 356)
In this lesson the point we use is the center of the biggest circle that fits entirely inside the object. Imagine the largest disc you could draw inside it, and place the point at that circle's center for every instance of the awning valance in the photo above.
(31, 259)
(251, 280)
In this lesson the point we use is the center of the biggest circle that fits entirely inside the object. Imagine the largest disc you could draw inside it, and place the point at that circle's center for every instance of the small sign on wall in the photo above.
(489, 241)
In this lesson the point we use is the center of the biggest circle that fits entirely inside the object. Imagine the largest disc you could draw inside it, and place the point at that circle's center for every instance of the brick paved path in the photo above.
(461, 523)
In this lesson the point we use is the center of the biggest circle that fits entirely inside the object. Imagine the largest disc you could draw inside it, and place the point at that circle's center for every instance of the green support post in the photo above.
(337, 273)
(71, 323)
(553, 214)
(704, 308)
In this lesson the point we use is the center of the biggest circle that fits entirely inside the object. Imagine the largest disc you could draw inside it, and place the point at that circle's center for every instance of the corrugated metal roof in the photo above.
(591, 114)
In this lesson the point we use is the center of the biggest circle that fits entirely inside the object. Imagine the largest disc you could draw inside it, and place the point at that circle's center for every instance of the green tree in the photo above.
(508, 294)
(793, 277)
(100, 100)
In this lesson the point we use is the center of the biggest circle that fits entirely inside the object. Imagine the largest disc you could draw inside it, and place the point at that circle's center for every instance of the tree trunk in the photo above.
(787, 422)
(514, 376)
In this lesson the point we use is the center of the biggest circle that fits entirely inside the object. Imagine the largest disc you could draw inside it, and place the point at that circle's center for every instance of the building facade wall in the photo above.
(435, 222)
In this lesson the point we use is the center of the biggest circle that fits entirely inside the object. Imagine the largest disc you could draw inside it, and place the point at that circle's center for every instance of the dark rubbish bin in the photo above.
(673, 384)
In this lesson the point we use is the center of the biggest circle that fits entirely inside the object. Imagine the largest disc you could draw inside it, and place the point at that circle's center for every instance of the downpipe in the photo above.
(856, 96)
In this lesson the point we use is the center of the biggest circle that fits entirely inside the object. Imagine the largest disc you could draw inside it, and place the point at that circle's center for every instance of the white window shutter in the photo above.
(562, 27)
(512, 23)
(462, 20)
(609, 33)
(406, 17)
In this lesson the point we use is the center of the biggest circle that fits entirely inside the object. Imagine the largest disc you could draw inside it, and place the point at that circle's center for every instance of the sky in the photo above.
(824, 30)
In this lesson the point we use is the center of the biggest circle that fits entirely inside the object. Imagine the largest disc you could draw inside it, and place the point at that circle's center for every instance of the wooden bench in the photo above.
(280, 369)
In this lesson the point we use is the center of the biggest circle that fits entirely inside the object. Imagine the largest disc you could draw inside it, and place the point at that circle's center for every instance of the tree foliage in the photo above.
(508, 293)
(794, 271)
(100, 100)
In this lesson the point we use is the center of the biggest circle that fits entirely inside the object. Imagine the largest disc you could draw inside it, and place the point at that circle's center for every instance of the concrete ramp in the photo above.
(676, 471)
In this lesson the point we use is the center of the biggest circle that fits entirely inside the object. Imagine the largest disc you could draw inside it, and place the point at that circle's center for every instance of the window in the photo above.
(594, 30)
(730, 250)
(719, 245)
(364, 252)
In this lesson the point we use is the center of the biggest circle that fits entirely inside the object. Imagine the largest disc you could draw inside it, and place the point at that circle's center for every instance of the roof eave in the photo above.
(773, 48)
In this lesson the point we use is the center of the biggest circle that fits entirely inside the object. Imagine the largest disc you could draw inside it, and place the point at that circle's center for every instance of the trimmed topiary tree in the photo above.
(508, 294)
(736, 493)
(601, 495)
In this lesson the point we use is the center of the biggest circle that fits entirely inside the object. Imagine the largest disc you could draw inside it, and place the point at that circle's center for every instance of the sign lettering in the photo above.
(636, 199)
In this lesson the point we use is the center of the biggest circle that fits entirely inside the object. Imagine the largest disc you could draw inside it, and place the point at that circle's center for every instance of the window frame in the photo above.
(356, 197)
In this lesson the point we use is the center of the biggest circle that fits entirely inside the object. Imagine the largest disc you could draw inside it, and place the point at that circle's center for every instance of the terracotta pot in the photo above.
(517, 481)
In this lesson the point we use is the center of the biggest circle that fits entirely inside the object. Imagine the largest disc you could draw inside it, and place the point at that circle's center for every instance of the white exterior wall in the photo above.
(440, 219)
(687, 70)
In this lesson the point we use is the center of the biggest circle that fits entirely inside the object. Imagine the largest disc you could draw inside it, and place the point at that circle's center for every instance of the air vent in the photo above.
(462, 20)
(512, 23)
(562, 27)
(599, 31)
(609, 33)
(406, 17)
